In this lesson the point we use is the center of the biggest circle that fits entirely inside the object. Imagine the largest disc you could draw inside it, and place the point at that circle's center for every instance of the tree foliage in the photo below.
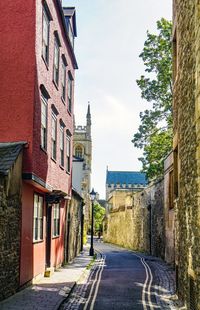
(154, 134)
(99, 213)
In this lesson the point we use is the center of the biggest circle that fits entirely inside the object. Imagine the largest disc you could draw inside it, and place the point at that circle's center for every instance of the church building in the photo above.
(82, 150)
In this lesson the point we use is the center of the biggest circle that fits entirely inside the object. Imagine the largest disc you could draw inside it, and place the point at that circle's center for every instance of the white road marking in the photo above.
(100, 268)
(144, 286)
(148, 291)
(97, 285)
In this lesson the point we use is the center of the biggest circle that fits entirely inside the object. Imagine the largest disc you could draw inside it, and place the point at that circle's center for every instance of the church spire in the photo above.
(88, 116)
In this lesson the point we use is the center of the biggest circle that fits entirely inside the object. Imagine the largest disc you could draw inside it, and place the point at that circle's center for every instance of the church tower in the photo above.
(82, 149)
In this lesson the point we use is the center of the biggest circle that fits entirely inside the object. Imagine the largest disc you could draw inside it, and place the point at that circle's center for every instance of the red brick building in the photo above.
(36, 99)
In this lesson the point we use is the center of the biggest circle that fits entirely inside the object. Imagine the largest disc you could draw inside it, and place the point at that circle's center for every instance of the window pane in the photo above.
(63, 81)
(41, 229)
(43, 123)
(38, 218)
(40, 211)
(45, 28)
(78, 152)
(56, 62)
(35, 206)
(45, 36)
(69, 87)
(34, 225)
(56, 219)
(61, 138)
(53, 132)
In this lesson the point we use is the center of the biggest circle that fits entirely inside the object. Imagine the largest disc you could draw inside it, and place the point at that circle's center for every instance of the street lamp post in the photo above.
(92, 197)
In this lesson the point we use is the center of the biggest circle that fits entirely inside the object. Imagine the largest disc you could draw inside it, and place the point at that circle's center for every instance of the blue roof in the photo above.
(125, 177)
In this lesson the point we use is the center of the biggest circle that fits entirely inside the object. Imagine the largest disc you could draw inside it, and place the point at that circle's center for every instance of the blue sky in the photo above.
(111, 35)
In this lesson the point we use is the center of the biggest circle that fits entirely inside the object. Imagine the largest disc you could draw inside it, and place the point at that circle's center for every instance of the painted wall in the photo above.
(33, 255)
(57, 243)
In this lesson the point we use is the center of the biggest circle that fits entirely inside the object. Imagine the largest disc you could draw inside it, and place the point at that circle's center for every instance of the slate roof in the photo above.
(8, 155)
(125, 177)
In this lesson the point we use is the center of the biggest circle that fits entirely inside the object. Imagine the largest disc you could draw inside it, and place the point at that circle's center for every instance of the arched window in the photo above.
(79, 151)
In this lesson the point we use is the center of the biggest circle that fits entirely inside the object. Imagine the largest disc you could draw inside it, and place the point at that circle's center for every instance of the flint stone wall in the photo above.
(10, 220)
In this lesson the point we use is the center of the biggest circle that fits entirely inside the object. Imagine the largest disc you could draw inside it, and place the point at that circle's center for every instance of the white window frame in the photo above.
(68, 153)
(56, 220)
(79, 154)
(56, 61)
(63, 82)
(44, 116)
(62, 145)
(45, 35)
(53, 135)
(38, 217)
(69, 91)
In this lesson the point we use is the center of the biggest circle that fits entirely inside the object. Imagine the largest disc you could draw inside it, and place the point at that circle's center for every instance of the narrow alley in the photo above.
(100, 155)
(122, 279)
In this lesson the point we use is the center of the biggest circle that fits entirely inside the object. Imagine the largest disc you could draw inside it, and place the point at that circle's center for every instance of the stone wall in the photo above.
(10, 220)
(169, 210)
(186, 107)
(74, 227)
(139, 225)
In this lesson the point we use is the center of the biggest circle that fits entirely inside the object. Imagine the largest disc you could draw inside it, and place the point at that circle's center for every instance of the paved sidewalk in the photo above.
(49, 293)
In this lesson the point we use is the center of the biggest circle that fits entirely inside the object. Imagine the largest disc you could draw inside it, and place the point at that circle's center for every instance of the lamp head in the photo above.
(92, 195)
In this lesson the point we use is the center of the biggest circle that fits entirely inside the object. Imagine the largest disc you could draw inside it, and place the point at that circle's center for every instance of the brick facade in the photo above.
(31, 95)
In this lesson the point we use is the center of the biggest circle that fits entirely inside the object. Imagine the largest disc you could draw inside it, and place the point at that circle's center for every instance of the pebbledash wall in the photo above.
(186, 144)
(138, 224)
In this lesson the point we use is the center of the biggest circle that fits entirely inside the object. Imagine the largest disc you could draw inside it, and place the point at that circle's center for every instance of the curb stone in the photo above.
(85, 274)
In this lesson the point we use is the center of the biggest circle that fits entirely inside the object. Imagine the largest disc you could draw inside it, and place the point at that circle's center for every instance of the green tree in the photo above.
(154, 134)
(99, 213)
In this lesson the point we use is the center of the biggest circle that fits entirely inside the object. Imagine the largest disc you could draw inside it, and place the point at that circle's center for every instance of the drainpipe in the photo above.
(150, 227)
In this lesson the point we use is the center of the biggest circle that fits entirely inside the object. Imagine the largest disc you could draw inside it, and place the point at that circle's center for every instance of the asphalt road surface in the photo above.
(119, 280)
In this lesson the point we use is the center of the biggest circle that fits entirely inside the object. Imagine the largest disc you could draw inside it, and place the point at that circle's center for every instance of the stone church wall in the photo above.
(10, 219)
(140, 226)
